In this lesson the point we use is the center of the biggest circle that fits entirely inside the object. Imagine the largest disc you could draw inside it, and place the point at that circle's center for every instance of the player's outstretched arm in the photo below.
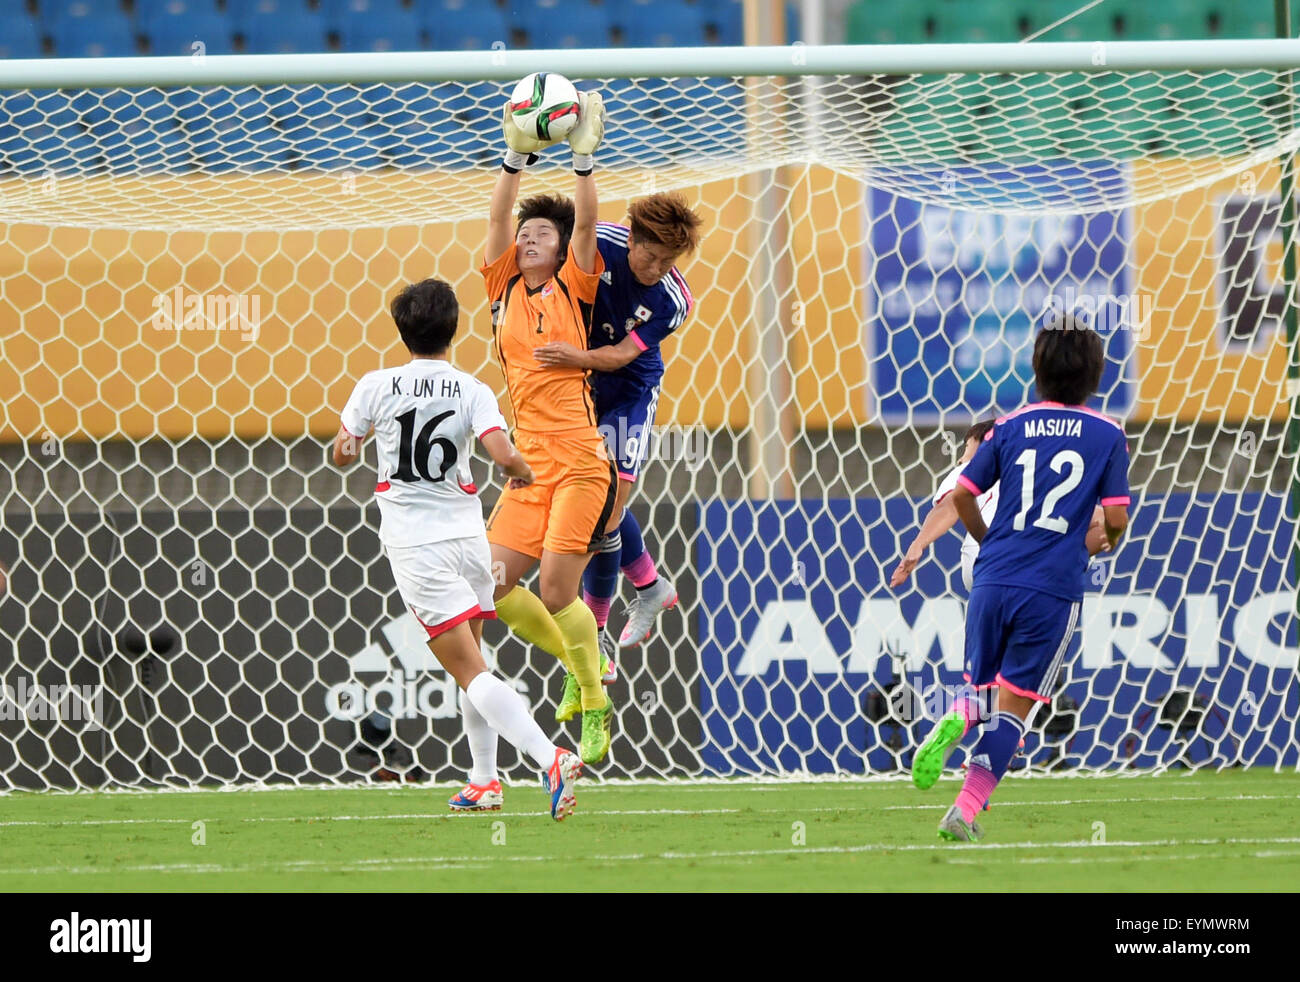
(347, 448)
(501, 230)
(584, 139)
(510, 460)
(941, 519)
(968, 510)
(610, 358)
(521, 150)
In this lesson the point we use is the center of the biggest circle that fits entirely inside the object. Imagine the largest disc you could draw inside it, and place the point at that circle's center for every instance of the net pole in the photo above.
(1282, 18)
(768, 380)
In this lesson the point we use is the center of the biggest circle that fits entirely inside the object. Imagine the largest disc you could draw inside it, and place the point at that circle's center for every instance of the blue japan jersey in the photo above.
(624, 307)
(1054, 464)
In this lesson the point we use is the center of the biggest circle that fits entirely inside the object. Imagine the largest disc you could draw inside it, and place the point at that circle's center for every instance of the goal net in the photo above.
(193, 277)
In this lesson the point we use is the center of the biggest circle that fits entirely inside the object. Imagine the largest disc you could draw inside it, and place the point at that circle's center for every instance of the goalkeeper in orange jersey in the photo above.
(541, 270)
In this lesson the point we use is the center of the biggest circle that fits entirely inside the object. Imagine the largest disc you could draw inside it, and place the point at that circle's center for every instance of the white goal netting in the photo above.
(191, 280)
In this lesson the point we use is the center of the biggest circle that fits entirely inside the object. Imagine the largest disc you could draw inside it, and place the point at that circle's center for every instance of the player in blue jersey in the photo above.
(642, 299)
(1055, 461)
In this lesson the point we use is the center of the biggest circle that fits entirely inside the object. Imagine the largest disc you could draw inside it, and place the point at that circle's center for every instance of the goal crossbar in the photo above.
(502, 64)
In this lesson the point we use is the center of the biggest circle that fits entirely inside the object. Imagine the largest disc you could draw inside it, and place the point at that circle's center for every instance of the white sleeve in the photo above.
(948, 484)
(988, 503)
(357, 414)
(484, 413)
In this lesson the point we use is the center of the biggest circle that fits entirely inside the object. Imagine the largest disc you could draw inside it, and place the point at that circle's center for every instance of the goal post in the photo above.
(196, 258)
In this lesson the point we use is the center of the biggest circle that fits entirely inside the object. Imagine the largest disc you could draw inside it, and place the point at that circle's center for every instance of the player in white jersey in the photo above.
(943, 516)
(425, 415)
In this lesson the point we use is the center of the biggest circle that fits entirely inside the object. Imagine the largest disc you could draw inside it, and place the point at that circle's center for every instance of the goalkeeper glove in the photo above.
(521, 147)
(588, 134)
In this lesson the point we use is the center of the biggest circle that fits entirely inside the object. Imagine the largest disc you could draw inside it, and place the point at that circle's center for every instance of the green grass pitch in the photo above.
(1176, 832)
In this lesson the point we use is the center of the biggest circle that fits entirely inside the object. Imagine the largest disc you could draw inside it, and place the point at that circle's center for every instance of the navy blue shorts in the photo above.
(627, 426)
(1018, 638)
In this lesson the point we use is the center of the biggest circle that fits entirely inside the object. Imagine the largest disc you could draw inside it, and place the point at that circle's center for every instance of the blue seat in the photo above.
(239, 11)
(398, 104)
(53, 11)
(380, 31)
(271, 33)
(576, 25)
(667, 24)
(19, 37)
(466, 28)
(176, 34)
(148, 11)
(338, 12)
(94, 37)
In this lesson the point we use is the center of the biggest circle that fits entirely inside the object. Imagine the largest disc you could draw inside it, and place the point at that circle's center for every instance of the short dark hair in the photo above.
(977, 430)
(1068, 361)
(556, 209)
(426, 314)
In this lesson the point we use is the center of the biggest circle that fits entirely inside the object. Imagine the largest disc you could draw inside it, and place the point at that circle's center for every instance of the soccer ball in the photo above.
(545, 105)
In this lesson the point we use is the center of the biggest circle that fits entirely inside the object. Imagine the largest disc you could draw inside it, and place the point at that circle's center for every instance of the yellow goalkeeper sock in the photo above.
(526, 615)
(578, 627)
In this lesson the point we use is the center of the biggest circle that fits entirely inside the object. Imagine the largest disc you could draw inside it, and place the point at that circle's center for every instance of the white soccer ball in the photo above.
(545, 105)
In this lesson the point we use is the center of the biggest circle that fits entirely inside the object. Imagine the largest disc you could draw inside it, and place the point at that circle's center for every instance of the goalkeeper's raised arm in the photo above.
(521, 151)
(584, 139)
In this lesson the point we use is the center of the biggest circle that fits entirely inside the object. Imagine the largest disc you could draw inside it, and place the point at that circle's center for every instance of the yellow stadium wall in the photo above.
(82, 357)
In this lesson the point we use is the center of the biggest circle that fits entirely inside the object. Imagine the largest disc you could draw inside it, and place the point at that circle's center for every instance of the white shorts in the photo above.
(445, 583)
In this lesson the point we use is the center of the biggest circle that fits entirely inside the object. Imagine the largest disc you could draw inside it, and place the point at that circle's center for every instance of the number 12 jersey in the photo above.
(1053, 465)
(425, 416)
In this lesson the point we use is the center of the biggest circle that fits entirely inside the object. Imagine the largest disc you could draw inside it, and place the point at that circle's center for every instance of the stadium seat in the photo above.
(148, 11)
(52, 11)
(974, 23)
(1094, 24)
(232, 130)
(19, 37)
(889, 22)
(724, 21)
(240, 11)
(386, 30)
(576, 25)
(94, 37)
(671, 23)
(1189, 19)
(468, 28)
(177, 33)
(1249, 19)
(271, 32)
(338, 12)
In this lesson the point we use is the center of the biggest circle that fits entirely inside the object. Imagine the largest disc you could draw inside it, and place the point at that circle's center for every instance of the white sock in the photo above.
(482, 743)
(501, 706)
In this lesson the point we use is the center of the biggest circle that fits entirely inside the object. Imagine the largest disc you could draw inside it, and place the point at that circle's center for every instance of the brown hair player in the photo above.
(641, 301)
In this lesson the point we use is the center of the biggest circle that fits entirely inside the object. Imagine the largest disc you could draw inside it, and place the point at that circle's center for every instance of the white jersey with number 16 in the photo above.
(425, 416)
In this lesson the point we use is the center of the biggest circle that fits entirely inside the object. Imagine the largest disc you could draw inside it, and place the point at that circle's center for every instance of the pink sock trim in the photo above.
(975, 791)
(599, 607)
(970, 712)
(641, 571)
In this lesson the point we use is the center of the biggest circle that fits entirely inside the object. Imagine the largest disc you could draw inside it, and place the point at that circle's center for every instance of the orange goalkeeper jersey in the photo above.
(545, 400)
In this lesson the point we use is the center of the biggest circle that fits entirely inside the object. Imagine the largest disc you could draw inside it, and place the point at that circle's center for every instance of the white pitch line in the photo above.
(1112, 801)
(409, 816)
(801, 810)
(450, 862)
(1089, 860)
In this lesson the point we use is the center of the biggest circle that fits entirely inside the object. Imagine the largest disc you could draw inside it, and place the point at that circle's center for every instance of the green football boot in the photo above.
(596, 726)
(927, 765)
(571, 701)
